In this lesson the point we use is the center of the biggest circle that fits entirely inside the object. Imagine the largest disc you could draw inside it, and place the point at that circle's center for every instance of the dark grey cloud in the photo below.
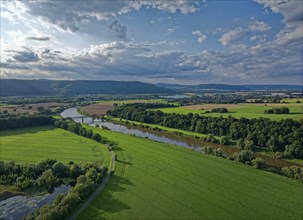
(38, 38)
(118, 29)
(25, 56)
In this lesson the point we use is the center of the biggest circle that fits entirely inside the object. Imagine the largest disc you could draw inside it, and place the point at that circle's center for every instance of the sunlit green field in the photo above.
(245, 110)
(154, 180)
(30, 145)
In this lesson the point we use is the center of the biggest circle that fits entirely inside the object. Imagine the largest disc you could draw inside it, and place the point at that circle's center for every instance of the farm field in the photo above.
(30, 145)
(30, 108)
(154, 180)
(101, 108)
(241, 110)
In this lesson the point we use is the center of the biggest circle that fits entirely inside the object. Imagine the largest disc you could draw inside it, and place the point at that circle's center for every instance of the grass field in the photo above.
(243, 110)
(30, 145)
(159, 181)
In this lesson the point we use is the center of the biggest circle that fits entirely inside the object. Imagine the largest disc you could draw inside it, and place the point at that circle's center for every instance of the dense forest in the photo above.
(284, 136)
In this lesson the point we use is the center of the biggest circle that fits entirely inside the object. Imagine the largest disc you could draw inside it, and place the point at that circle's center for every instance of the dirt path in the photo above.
(97, 191)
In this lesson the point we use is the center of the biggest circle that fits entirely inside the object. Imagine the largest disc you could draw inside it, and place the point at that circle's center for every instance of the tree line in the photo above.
(283, 110)
(284, 136)
(21, 121)
(219, 110)
(70, 125)
(45, 174)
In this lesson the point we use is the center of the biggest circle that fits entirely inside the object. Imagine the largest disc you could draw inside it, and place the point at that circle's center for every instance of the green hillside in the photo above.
(154, 180)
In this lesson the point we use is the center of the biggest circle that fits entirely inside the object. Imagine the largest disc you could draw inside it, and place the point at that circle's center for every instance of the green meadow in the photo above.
(154, 180)
(29, 145)
(245, 110)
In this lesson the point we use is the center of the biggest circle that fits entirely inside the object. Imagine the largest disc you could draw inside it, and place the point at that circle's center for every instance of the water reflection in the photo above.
(171, 138)
(20, 206)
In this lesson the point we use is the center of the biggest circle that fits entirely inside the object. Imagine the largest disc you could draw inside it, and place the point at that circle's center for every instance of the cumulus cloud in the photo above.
(267, 61)
(67, 16)
(292, 11)
(138, 61)
(259, 26)
(118, 29)
(233, 36)
(200, 35)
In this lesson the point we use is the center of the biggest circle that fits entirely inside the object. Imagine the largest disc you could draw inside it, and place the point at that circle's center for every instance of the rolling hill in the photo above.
(227, 87)
(16, 87)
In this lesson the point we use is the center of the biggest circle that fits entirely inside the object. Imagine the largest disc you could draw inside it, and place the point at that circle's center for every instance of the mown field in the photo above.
(30, 145)
(241, 110)
(159, 181)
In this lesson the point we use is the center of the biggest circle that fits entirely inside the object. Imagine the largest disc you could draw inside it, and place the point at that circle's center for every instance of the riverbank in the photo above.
(265, 154)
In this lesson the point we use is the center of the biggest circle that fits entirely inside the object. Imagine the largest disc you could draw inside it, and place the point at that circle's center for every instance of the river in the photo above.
(167, 137)
(20, 206)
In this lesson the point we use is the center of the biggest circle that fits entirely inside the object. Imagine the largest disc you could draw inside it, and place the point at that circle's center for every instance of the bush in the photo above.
(219, 110)
(207, 150)
(96, 137)
(294, 172)
(245, 156)
(258, 163)
(218, 152)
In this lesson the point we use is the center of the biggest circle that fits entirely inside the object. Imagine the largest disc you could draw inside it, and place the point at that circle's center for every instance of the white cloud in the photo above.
(70, 16)
(233, 36)
(129, 60)
(200, 35)
(259, 38)
(259, 26)
(171, 30)
(292, 11)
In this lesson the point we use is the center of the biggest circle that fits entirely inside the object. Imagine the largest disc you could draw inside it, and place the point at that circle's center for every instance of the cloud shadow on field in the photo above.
(110, 203)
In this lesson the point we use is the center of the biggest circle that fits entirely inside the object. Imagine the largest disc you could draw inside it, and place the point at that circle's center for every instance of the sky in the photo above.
(172, 41)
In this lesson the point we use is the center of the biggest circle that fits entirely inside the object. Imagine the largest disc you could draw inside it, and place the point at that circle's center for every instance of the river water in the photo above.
(167, 137)
(20, 206)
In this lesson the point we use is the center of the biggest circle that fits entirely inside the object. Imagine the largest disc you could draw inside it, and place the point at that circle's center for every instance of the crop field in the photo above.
(154, 180)
(97, 109)
(30, 145)
(101, 108)
(255, 110)
(30, 108)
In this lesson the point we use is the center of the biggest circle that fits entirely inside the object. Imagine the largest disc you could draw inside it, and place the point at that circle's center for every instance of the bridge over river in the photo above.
(73, 113)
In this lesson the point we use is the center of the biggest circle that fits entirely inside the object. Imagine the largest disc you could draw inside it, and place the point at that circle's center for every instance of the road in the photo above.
(98, 190)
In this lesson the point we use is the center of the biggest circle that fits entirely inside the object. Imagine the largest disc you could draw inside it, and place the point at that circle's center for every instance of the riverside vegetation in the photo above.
(284, 137)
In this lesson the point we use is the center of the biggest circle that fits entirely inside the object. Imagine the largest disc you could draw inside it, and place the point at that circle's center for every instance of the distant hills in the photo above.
(16, 87)
(227, 87)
